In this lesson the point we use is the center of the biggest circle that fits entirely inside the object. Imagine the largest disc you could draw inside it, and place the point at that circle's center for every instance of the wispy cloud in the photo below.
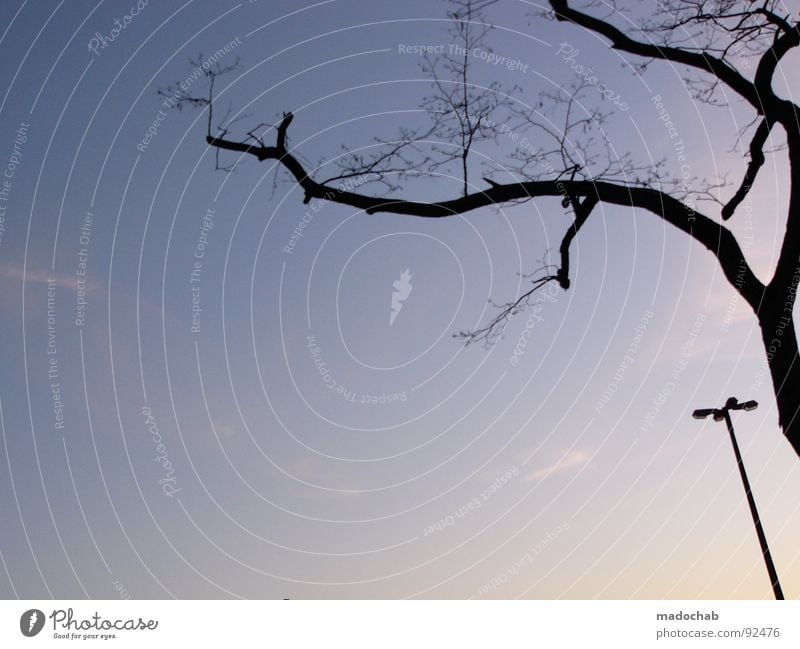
(63, 281)
(36, 276)
(571, 460)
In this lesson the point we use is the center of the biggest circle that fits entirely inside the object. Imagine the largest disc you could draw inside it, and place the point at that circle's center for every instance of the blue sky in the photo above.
(221, 462)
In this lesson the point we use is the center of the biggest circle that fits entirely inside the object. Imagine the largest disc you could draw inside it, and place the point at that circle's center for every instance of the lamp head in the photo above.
(750, 405)
(702, 413)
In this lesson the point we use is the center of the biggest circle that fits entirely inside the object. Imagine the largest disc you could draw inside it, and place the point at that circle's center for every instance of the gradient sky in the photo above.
(286, 487)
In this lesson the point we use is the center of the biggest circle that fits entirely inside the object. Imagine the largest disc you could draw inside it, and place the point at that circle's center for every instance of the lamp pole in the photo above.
(724, 413)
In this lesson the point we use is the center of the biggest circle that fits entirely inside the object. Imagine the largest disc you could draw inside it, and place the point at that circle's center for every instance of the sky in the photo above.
(213, 390)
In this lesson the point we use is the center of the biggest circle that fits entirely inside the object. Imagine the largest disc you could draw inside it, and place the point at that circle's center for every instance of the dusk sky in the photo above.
(211, 389)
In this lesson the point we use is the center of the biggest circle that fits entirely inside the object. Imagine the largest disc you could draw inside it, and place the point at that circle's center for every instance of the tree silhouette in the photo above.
(572, 162)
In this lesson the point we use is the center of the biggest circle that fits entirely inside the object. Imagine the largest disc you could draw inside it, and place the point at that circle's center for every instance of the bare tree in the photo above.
(708, 38)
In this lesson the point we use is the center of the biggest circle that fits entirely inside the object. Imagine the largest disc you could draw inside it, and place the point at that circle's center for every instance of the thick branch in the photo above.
(787, 270)
(714, 236)
(582, 210)
(756, 160)
(769, 62)
(282, 127)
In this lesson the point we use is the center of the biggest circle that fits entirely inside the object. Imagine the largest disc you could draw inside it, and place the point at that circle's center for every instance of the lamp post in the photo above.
(721, 414)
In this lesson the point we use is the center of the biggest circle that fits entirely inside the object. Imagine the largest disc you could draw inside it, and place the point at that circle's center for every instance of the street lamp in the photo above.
(721, 414)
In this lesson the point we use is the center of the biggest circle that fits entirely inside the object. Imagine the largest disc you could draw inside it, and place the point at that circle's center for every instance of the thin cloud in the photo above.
(62, 281)
(571, 460)
(44, 277)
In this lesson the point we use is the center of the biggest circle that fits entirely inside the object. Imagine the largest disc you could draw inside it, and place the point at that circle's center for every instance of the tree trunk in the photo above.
(780, 344)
